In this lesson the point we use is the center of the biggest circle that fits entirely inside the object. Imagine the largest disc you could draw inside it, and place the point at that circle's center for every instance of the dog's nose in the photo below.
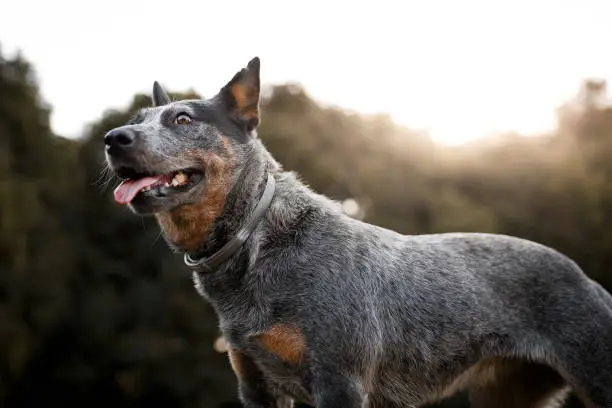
(119, 138)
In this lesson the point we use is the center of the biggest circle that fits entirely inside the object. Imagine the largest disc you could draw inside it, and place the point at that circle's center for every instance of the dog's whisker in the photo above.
(104, 178)
(102, 174)
(159, 235)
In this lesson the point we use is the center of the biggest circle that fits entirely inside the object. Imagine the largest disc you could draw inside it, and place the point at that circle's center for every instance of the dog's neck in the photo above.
(204, 227)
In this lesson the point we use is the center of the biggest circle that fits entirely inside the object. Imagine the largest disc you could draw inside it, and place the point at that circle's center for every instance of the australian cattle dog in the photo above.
(330, 311)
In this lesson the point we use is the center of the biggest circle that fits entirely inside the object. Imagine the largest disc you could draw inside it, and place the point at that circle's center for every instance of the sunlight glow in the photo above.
(462, 70)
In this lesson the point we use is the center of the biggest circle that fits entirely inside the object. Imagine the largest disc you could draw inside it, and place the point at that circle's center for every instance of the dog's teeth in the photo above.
(179, 178)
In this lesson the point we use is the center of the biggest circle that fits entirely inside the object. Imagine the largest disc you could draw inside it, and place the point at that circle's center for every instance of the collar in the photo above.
(212, 263)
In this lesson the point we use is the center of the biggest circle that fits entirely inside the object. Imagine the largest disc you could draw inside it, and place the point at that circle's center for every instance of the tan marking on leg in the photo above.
(508, 383)
(285, 341)
(235, 359)
(480, 374)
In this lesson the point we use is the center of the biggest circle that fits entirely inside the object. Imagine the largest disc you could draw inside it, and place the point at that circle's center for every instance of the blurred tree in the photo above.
(36, 258)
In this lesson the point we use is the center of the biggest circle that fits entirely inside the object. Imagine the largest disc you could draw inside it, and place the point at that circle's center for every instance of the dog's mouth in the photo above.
(154, 186)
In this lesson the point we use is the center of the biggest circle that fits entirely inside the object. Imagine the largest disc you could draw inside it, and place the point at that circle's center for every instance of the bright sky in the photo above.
(461, 69)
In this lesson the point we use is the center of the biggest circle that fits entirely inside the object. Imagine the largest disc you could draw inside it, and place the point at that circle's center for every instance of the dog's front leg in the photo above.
(252, 387)
(332, 389)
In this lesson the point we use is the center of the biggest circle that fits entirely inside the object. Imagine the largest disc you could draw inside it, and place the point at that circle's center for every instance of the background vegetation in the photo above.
(95, 311)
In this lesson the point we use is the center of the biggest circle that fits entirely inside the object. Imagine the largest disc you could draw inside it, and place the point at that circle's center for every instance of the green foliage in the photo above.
(95, 311)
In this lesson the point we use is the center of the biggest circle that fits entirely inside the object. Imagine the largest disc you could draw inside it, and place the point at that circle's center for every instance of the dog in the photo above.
(330, 311)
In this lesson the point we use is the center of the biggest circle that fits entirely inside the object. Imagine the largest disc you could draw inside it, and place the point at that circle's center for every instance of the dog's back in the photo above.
(470, 310)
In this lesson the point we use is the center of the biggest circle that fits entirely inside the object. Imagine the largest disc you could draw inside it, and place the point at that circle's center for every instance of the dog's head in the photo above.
(175, 153)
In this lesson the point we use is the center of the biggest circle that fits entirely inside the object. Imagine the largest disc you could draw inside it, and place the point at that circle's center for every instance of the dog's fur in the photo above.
(331, 311)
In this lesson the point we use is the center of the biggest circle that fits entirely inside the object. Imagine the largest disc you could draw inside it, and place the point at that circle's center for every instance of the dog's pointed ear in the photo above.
(160, 97)
(241, 95)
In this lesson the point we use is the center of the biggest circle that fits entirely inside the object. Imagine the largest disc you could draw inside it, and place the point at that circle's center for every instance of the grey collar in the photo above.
(210, 264)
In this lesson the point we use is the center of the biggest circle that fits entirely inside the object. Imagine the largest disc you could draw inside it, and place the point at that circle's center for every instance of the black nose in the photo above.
(119, 139)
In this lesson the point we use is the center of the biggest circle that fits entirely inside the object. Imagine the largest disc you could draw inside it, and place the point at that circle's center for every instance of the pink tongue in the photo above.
(127, 190)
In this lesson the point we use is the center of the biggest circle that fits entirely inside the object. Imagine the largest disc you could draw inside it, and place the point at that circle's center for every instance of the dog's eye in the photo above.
(182, 119)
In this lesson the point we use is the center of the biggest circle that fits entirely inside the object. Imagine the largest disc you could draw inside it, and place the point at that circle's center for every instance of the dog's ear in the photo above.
(160, 97)
(241, 95)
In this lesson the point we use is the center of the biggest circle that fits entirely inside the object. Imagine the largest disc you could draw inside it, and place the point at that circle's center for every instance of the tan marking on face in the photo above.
(286, 341)
(236, 361)
(188, 225)
(246, 98)
(227, 146)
